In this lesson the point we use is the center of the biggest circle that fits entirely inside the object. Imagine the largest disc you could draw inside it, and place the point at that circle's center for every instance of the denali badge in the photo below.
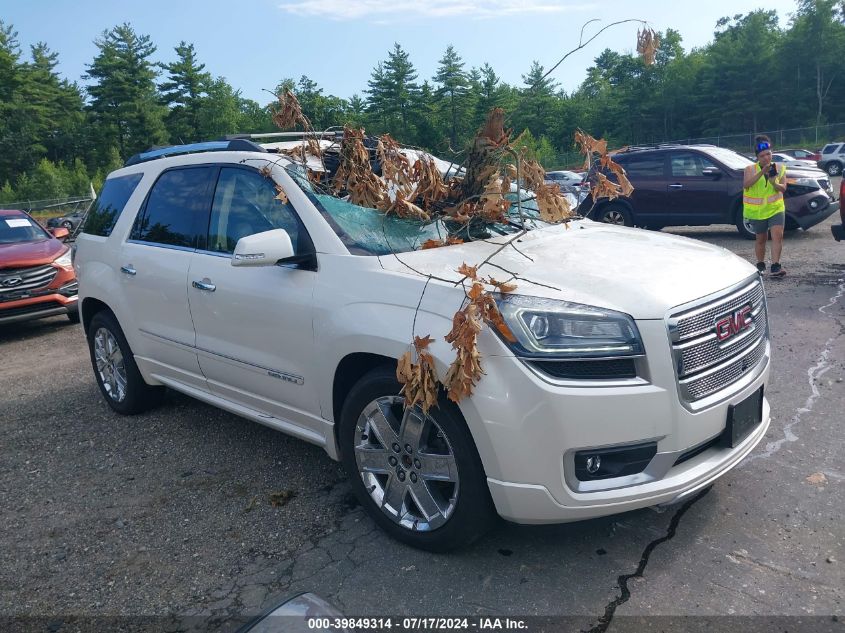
(732, 324)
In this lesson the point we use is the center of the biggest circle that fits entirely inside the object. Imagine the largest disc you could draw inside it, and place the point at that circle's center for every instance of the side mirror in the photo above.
(263, 249)
(59, 232)
(714, 172)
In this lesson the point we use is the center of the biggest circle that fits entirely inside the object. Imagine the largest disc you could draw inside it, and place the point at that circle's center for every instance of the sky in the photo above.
(255, 44)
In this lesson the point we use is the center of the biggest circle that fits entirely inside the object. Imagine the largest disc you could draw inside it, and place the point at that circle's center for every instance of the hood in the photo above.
(22, 254)
(639, 272)
(805, 172)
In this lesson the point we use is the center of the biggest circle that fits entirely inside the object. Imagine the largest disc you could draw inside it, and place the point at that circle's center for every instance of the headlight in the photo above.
(63, 260)
(804, 182)
(549, 328)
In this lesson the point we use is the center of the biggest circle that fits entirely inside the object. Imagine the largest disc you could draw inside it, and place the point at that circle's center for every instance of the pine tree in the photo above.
(124, 101)
(452, 93)
(183, 92)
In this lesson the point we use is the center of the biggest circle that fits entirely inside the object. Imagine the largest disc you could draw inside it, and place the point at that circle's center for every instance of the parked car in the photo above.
(832, 159)
(838, 230)
(698, 185)
(631, 374)
(793, 163)
(802, 154)
(70, 221)
(36, 276)
(568, 179)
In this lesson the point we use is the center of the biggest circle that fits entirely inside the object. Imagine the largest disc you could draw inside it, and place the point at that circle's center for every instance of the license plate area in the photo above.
(743, 418)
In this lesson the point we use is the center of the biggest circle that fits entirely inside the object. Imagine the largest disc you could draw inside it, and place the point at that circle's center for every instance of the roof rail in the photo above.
(233, 145)
(330, 133)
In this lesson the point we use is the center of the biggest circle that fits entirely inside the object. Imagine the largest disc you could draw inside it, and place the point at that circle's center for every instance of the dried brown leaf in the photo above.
(553, 205)
(648, 42)
(468, 271)
(588, 146)
(281, 196)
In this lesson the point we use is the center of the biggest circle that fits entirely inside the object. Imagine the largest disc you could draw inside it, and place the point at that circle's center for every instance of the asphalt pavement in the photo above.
(192, 517)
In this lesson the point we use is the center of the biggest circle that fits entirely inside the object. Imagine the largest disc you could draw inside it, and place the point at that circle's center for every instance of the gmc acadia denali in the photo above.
(638, 378)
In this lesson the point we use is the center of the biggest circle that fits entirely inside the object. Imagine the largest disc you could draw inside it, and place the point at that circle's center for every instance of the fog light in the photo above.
(618, 461)
(814, 204)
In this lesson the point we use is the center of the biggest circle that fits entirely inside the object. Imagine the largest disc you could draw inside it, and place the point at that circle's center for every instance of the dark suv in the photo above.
(694, 185)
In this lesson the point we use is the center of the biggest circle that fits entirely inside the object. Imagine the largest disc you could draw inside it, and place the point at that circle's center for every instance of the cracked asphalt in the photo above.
(194, 518)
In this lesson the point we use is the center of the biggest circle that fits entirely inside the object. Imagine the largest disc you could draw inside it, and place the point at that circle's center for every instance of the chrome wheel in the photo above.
(110, 364)
(613, 216)
(68, 225)
(407, 464)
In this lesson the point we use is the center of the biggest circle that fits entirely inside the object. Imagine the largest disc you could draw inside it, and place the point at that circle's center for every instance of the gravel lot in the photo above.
(188, 511)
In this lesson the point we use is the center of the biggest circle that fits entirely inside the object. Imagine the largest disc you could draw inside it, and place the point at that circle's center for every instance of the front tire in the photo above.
(418, 476)
(834, 169)
(117, 375)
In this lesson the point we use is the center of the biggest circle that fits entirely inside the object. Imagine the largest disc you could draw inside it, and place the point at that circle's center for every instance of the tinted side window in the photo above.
(176, 209)
(245, 203)
(106, 209)
(688, 164)
(644, 166)
(829, 149)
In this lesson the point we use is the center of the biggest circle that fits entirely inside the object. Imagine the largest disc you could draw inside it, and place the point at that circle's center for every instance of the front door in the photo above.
(695, 197)
(255, 337)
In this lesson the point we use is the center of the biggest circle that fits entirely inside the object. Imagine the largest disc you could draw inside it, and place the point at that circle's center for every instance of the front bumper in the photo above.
(806, 217)
(40, 307)
(527, 428)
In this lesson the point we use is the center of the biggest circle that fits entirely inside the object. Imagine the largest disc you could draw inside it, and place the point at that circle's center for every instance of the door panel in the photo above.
(254, 329)
(647, 174)
(693, 197)
(154, 265)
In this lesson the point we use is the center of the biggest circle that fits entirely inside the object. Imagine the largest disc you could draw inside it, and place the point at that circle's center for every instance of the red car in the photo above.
(36, 276)
(801, 154)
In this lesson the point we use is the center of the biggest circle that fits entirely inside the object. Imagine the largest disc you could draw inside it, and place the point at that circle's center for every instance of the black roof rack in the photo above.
(226, 145)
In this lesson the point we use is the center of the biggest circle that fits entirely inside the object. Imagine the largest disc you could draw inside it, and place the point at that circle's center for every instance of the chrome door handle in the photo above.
(676, 186)
(129, 270)
(204, 285)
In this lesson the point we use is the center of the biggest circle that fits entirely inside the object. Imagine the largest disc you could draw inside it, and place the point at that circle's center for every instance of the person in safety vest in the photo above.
(764, 184)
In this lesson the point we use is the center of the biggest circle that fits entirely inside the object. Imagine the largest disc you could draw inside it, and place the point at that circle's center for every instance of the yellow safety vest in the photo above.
(762, 201)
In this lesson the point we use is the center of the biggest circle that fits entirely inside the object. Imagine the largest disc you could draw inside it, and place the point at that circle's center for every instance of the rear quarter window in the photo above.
(106, 209)
(830, 149)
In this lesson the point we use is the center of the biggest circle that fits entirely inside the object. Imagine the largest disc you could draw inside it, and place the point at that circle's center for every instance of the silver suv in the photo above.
(833, 158)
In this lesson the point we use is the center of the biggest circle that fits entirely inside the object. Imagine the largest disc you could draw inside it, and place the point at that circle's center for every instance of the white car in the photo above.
(794, 163)
(564, 178)
(637, 378)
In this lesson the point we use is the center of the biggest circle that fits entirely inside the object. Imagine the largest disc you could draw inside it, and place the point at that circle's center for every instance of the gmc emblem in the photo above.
(733, 324)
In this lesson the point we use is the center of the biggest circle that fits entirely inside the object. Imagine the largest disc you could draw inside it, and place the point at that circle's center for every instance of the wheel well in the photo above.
(601, 204)
(348, 371)
(90, 307)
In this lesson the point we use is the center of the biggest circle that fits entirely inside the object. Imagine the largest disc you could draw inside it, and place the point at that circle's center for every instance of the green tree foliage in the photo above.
(124, 100)
(452, 95)
(183, 93)
(755, 74)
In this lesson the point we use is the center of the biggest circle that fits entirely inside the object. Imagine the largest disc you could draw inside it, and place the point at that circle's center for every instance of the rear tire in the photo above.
(613, 213)
(834, 169)
(432, 492)
(114, 366)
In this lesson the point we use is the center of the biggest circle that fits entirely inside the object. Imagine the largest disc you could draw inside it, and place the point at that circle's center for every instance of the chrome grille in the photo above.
(14, 280)
(705, 365)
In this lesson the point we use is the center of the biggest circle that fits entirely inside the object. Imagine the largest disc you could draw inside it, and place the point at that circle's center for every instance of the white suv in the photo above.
(637, 378)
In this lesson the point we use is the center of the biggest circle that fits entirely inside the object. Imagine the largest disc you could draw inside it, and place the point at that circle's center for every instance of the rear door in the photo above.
(695, 197)
(647, 173)
(255, 337)
(153, 275)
